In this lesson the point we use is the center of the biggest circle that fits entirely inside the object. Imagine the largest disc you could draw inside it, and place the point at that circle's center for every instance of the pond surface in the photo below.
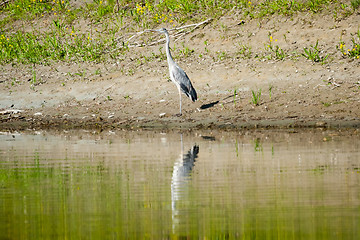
(214, 185)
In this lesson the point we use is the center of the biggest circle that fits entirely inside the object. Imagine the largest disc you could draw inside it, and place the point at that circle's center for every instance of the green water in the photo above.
(196, 185)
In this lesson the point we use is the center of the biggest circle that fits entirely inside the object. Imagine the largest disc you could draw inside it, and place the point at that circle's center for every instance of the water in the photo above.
(213, 185)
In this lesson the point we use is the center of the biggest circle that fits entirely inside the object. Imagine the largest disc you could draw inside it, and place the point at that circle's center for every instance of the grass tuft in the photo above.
(256, 97)
(314, 53)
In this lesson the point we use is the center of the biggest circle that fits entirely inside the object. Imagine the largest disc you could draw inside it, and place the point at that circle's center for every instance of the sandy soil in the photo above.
(134, 93)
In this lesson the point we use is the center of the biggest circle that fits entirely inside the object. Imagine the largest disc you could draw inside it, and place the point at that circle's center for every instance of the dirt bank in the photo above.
(134, 93)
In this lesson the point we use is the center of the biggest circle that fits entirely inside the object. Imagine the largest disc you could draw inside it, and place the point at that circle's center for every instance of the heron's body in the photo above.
(177, 75)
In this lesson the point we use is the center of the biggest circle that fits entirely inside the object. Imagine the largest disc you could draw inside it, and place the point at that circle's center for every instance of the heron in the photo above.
(177, 75)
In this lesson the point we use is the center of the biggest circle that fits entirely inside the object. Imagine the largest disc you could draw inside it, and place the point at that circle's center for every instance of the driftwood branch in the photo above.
(177, 36)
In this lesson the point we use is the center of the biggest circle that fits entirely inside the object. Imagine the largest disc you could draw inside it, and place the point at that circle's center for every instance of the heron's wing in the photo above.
(181, 78)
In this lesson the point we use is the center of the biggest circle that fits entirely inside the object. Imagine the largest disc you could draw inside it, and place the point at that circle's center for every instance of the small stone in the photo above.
(320, 124)
(162, 114)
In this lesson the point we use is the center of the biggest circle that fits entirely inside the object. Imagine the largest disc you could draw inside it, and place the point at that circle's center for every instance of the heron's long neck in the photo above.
(167, 47)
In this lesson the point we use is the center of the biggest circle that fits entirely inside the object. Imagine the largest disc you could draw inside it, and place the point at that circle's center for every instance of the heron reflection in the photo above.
(180, 180)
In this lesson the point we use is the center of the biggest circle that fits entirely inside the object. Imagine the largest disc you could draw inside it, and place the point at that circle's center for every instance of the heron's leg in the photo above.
(180, 100)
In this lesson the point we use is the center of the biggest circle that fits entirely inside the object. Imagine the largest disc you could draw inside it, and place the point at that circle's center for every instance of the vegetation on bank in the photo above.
(60, 37)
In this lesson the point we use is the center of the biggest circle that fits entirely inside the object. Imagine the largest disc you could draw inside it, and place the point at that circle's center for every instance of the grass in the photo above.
(244, 51)
(107, 21)
(59, 44)
(256, 97)
(354, 50)
(355, 4)
(275, 51)
(270, 91)
(314, 53)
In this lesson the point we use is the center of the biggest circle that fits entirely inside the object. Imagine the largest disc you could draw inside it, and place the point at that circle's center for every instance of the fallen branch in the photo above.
(177, 36)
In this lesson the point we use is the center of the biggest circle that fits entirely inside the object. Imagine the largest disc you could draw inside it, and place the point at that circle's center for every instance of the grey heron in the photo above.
(177, 75)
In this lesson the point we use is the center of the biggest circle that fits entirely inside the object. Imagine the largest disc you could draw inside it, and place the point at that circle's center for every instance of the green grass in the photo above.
(270, 91)
(355, 4)
(354, 50)
(275, 51)
(60, 40)
(256, 97)
(244, 51)
(59, 44)
(313, 53)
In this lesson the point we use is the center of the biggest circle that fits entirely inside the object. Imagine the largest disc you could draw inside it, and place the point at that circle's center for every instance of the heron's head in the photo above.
(161, 30)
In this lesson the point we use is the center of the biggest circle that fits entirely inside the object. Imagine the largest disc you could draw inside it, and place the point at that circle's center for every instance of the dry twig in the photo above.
(178, 35)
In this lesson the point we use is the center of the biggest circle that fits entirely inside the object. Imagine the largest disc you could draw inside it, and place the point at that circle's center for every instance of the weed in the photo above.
(98, 71)
(206, 44)
(313, 53)
(355, 4)
(185, 51)
(245, 51)
(221, 55)
(326, 104)
(256, 97)
(354, 51)
(234, 98)
(276, 51)
(270, 90)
